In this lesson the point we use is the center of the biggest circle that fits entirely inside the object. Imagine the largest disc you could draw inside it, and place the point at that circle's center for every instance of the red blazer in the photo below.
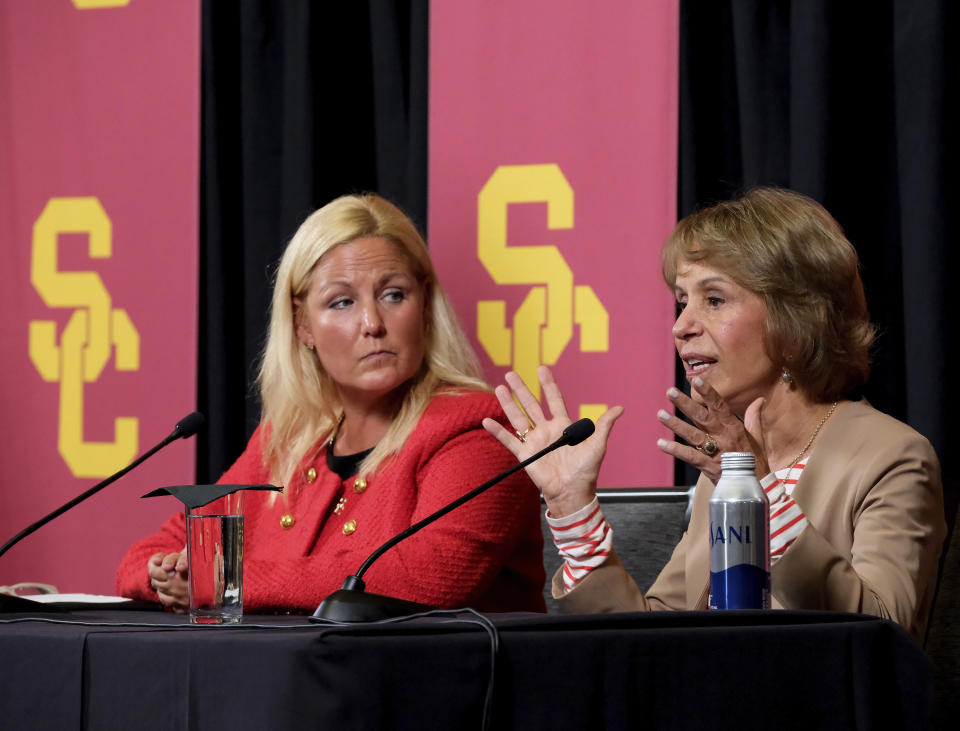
(486, 554)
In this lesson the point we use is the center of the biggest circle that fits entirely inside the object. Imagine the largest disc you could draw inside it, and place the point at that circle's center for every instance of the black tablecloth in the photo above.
(716, 670)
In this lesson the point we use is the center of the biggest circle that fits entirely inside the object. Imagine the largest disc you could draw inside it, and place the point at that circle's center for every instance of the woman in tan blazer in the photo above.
(774, 333)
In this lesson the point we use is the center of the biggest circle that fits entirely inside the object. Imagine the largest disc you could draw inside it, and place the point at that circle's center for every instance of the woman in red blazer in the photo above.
(372, 411)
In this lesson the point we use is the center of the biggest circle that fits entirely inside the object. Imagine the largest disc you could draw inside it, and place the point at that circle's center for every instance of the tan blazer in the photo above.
(873, 499)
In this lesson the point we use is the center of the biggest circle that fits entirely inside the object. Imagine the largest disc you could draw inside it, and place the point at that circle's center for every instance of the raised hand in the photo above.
(715, 430)
(567, 477)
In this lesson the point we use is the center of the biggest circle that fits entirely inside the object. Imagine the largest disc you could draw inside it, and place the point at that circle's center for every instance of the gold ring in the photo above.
(709, 446)
(521, 435)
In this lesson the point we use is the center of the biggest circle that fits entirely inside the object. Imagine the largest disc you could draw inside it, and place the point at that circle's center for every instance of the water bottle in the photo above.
(739, 537)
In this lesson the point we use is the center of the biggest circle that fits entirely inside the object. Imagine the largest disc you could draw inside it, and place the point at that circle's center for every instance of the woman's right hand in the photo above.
(168, 577)
(567, 477)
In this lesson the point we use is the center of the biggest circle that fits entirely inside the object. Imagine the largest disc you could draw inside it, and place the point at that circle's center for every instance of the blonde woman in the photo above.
(372, 411)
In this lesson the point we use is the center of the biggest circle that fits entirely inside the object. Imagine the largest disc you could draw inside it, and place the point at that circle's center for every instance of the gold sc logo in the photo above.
(93, 330)
(543, 324)
(96, 4)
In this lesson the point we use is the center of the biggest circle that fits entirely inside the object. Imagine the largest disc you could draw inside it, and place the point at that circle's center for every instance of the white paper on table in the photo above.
(76, 598)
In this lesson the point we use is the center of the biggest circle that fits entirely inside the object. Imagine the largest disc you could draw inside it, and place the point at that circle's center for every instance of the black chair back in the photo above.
(647, 524)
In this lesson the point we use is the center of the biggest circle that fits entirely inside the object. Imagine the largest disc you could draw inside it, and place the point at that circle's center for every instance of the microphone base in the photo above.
(350, 605)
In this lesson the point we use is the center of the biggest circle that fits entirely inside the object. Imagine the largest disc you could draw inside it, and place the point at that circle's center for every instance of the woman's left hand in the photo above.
(713, 421)
(168, 578)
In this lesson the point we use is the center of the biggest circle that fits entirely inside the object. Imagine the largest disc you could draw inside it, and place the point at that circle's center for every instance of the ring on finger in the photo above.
(709, 446)
(522, 435)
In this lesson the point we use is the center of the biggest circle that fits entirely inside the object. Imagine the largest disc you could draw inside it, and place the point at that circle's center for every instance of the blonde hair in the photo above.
(301, 404)
(786, 248)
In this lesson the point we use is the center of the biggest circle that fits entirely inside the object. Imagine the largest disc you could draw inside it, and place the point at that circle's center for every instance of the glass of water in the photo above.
(215, 559)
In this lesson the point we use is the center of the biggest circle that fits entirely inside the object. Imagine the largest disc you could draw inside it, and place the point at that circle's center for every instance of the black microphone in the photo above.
(351, 603)
(185, 428)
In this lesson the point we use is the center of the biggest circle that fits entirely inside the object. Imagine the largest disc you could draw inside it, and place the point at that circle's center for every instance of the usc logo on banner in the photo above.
(543, 324)
(93, 330)
(93, 4)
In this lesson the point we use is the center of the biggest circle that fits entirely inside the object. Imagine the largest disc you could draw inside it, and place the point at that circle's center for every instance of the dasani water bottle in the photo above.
(739, 537)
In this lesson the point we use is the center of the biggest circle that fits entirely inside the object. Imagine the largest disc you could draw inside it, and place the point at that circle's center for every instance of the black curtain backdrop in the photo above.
(845, 102)
(302, 102)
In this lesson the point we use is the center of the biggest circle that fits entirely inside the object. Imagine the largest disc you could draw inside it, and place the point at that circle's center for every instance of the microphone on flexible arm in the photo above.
(185, 428)
(351, 603)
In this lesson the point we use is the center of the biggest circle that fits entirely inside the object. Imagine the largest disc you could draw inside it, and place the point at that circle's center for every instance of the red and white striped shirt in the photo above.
(787, 520)
(584, 538)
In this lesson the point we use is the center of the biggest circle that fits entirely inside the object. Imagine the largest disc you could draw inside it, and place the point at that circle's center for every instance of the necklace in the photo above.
(359, 483)
(336, 430)
(833, 407)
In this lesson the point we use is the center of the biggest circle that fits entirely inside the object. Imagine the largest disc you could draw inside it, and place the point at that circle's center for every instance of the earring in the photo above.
(787, 377)
(309, 346)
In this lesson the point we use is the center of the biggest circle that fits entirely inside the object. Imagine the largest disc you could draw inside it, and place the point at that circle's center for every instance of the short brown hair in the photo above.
(787, 249)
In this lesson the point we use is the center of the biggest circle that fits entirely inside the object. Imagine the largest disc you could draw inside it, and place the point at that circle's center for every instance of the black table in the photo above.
(714, 670)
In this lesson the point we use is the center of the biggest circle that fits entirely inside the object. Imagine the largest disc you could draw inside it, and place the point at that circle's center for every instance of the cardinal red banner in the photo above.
(552, 186)
(99, 168)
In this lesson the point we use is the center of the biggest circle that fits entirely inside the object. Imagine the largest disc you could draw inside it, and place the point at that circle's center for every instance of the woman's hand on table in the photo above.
(168, 577)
